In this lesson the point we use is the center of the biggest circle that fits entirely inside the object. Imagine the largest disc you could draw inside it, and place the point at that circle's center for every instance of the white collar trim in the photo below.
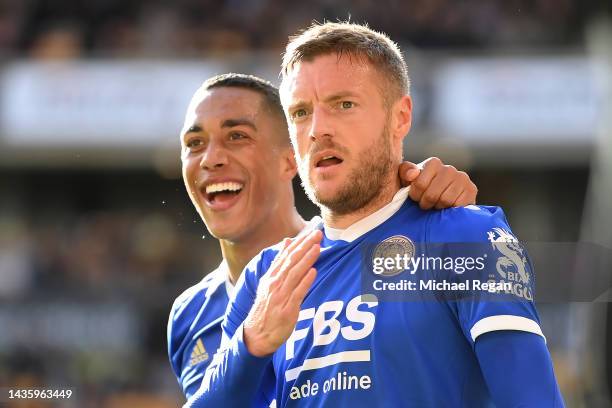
(229, 287)
(370, 222)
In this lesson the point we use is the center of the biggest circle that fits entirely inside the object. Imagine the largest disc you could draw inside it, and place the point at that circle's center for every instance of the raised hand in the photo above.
(280, 294)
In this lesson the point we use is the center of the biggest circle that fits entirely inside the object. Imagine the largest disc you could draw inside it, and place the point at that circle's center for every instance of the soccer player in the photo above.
(238, 165)
(299, 330)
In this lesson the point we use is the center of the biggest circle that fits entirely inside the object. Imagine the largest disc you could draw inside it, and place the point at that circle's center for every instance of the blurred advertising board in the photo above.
(518, 101)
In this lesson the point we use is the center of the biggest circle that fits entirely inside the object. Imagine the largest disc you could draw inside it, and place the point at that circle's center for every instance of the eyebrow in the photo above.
(193, 129)
(238, 122)
(228, 123)
(332, 98)
(340, 95)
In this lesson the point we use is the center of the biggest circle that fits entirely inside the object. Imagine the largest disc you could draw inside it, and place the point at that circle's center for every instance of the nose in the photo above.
(215, 156)
(320, 125)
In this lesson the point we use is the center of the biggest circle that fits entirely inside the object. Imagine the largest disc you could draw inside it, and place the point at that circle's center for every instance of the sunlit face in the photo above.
(339, 128)
(231, 162)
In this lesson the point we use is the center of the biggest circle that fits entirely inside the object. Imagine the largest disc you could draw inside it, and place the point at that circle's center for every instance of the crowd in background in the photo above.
(196, 28)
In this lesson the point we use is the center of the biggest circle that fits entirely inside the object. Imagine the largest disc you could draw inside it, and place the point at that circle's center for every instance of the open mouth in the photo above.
(219, 193)
(328, 161)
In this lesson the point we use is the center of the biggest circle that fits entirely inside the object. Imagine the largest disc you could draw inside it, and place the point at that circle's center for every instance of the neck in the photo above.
(238, 253)
(384, 197)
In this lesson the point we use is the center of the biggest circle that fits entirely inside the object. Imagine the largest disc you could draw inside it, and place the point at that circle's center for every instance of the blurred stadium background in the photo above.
(97, 235)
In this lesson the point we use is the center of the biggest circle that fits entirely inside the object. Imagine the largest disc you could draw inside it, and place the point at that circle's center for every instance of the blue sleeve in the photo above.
(482, 233)
(179, 322)
(235, 377)
(195, 321)
(518, 370)
(173, 344)
(240, 304)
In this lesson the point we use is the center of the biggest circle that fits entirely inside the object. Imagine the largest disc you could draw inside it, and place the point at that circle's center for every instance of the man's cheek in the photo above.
(298, 139)
(189, 183)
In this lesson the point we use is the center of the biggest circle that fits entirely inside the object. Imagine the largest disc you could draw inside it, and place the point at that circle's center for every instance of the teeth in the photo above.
(217, 187)
(328, 157)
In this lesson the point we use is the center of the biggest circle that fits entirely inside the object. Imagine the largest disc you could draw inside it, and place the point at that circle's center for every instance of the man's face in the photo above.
(231, 161)
(339, 128)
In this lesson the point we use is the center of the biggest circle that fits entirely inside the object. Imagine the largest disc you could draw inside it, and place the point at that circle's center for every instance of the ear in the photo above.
(288, 165)
(403, 118)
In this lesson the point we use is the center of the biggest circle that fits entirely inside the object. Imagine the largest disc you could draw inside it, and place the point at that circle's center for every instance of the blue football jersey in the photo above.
(355, 346)
(194, 328)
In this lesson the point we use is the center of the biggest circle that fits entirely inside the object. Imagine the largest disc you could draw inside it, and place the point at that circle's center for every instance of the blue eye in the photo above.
(347, 104)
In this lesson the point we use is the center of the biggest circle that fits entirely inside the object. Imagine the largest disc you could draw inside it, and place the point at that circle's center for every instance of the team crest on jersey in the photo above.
(199, 353)
(390, 248)
(513, 260)
(511, 265)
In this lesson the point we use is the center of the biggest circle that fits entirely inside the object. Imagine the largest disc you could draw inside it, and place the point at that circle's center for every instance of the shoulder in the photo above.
(473, 223)
(198, 293)
(187, 310)
(185, 314)
(259, 265)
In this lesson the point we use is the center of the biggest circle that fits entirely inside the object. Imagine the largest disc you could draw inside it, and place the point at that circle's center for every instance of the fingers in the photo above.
(429, 169)
(297, 253)
(449, 196)
(283, 247)
(438, 183)
(300, 291)
(408, 172)
(431, 196)
(313, 236)
(469, 194)
(295, 273)
(286, 243)
(442, 186)
(467, 197)
(460, 193)
(290, 246)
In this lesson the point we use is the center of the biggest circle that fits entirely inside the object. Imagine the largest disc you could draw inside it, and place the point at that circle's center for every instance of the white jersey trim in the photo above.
(371, 221)
(229, 286)
(505, 322)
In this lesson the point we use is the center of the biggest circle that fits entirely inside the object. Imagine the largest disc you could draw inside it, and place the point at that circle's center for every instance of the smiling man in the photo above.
(304, 330)
(238, 167)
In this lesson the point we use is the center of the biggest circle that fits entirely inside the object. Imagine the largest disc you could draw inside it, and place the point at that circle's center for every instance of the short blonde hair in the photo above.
(354, 40)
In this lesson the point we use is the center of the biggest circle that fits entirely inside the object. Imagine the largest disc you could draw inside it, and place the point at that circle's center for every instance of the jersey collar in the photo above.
(222, 272)
(370, 222)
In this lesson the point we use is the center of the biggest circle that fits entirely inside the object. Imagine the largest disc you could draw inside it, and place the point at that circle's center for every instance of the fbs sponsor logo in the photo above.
(199, 353)
(511, 265)
(327, 323)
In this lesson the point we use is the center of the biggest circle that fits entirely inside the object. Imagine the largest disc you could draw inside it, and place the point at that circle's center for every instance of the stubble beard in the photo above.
(362, 185)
